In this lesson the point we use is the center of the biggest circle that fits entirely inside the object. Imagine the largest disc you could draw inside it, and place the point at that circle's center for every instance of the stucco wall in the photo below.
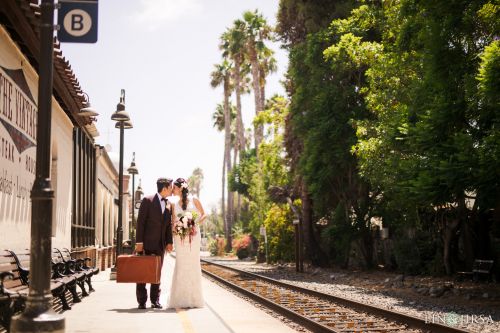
(17, 165)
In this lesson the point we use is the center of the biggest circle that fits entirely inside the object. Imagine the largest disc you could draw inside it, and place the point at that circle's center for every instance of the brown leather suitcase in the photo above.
(138, 269)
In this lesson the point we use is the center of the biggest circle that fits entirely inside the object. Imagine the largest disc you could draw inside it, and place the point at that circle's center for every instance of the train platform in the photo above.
(113, 309)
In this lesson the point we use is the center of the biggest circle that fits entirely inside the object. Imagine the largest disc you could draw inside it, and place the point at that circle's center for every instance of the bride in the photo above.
(185, 291)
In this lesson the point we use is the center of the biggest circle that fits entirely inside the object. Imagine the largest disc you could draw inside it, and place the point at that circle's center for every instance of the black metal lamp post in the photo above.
(122, 122)
(38, 315)
(138, 195)
(133, 171)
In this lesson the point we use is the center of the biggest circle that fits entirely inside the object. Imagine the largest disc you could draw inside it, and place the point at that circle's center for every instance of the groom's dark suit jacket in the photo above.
(154, 229)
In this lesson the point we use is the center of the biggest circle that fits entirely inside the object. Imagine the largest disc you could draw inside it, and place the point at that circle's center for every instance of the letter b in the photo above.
(76, 22)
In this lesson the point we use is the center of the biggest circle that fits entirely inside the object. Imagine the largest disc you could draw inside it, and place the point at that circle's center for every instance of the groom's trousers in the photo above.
(154, 290)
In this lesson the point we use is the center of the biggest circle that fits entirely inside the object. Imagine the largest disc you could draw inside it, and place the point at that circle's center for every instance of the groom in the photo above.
(154, 235)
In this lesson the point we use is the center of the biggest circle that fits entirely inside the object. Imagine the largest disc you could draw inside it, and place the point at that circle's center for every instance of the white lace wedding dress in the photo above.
(186, 291)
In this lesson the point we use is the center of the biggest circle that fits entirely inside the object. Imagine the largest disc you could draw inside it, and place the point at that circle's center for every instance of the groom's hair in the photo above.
(162, 183)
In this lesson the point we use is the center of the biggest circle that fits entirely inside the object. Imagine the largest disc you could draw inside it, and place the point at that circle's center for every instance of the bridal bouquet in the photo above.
(185, 226)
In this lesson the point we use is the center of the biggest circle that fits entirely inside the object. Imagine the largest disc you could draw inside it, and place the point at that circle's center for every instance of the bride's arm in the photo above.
(174, 217)
(198, 206)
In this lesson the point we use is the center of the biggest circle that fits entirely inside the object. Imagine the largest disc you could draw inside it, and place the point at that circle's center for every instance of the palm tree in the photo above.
(222, 76)
(267, 66)
(233, 46)
(218, 118)
(219, 124)
(195, 181)
(257, 31)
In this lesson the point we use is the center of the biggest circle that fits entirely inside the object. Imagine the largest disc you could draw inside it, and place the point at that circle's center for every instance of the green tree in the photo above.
(257, 171)
(195, 181)
(280, 233)
(222, 76)
(422, 144)
(256, 32)
(301, 27)
(233, 46)
(219, 124)
(394, 113)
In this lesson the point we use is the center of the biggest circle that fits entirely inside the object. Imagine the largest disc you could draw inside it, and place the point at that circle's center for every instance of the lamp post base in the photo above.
(38, 318)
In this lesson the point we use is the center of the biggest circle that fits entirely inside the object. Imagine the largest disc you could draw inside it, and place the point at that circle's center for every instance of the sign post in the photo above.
(296, 224)
(77, 21)
(264, 233)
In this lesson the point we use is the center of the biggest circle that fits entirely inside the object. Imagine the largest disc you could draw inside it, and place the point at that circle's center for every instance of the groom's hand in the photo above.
(169, 248)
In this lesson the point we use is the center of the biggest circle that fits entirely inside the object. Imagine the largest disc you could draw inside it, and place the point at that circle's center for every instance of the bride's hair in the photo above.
(183, 185)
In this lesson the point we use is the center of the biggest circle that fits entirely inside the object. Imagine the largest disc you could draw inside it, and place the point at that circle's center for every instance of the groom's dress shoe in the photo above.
(156, 305)
(142, 306)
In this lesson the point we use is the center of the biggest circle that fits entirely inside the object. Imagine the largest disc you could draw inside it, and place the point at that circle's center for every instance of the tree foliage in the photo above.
(394, 114)
(257, 171)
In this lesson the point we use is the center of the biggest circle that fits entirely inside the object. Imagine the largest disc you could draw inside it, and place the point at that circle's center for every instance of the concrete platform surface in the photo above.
(113, 308)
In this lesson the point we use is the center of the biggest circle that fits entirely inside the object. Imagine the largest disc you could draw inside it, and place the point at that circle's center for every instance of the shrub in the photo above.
(407, 256)
(242, 246)
(216, 246)
(280, 233)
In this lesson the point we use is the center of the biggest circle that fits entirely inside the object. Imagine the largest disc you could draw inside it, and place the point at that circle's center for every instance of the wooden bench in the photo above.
(479, 267)
(65, 271)
(81, 266)
(13, 292)
(57, 285)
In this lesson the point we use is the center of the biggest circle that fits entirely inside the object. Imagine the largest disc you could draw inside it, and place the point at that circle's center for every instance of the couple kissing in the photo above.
(169, 220)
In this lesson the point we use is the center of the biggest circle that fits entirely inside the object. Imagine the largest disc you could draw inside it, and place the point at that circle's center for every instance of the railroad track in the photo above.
(316, 311)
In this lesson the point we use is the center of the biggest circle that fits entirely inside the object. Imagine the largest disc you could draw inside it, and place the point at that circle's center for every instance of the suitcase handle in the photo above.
(142, 253)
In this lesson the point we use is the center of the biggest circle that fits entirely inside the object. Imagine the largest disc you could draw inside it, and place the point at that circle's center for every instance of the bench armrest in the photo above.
(24, 272)
(85, 260)
(24, 275)
(58, 270)
(71, 265)
(79, 264)
(3, 276)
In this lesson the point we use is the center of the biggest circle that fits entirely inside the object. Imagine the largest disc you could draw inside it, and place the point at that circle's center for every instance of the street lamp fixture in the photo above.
(123, 121)
(126, 124)
(88, 110)
(132, 169)
(120, 114)
(138, 194)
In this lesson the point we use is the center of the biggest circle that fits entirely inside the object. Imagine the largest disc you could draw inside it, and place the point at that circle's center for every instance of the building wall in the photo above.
(18, 100)
(84, 191)
(62, 173)
(106, 208)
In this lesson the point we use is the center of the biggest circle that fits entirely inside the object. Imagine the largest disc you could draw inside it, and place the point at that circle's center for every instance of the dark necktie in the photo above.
(165, 210)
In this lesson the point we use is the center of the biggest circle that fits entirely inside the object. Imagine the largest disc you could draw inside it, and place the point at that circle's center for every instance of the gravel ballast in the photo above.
(470, 306)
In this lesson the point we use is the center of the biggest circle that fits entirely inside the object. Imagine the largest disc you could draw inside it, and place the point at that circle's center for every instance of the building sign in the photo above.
(77, 21)
(18, 119)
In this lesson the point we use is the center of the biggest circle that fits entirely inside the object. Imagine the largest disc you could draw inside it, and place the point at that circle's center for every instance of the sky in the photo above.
(162, 53)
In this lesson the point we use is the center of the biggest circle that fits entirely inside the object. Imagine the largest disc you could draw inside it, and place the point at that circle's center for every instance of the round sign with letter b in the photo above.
(78, 21)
